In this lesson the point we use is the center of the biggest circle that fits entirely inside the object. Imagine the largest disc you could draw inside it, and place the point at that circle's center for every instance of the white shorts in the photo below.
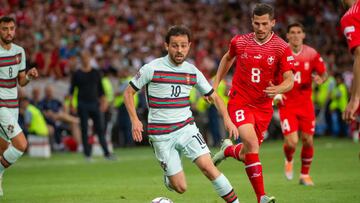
(9, 126)
(186, 141)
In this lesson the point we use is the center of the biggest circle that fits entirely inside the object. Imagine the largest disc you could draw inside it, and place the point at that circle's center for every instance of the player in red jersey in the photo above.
(296, 109)
(350, 25)
(260, 57)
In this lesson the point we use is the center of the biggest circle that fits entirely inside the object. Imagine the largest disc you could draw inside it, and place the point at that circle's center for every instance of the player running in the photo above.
(261, 57)
(171, 127)
(296, 109)
(12, 71)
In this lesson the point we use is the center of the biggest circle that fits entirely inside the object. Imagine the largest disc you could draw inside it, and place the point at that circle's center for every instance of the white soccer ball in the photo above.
(161, 200)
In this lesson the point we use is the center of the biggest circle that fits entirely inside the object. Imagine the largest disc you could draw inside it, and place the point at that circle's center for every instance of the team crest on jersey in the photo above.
(10, 128)
(187, 78)
(18, 59)
(306, 65)
(270, 60)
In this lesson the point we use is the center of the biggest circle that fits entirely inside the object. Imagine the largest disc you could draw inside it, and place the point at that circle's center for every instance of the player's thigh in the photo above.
(307, 121)
(191, 143)
(9, 127)
(3, 145)
(262, 121)
(249, 138)
(168, 156)
(288, 120)
(207, 167)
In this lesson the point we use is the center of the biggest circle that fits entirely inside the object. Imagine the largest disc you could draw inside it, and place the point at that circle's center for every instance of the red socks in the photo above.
(289, 152)
(307, 154)
(233, 151)
(254, 171)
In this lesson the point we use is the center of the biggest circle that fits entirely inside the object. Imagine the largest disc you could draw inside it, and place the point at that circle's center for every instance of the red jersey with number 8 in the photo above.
(257, 65)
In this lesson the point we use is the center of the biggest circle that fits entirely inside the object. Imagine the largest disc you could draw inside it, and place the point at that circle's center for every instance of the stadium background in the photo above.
(123, 35)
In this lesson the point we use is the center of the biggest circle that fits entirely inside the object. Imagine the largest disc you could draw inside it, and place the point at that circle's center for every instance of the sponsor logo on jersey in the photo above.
(290, 58)
(258, 56)
(347, 32)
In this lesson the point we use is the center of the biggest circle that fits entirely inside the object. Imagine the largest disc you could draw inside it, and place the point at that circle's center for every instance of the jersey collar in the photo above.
(271, 36)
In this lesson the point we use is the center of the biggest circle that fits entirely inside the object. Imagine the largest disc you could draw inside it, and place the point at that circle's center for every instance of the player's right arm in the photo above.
(353, 104)
(143, 77)
(224, 66)
(137, 127)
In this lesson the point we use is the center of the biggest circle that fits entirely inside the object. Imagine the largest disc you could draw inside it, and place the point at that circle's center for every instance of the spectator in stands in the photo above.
(60, 120)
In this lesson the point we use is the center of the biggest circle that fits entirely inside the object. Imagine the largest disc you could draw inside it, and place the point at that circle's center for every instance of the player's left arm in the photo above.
(220, 105)
(286, 85)
(25, 78)
(352, 106)
(320, 74)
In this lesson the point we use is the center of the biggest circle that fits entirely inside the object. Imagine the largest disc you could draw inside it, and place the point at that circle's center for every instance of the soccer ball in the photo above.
(161, 200)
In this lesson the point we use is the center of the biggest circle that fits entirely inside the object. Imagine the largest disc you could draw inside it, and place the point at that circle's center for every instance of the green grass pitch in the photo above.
(136, 177)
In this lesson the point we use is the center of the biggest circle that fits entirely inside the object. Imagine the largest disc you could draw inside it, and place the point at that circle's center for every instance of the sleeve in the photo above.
(232, 46)
(142, 77)
(23, 61)
(318, 64)
(202, 84)
(286, 61)
(351, 29)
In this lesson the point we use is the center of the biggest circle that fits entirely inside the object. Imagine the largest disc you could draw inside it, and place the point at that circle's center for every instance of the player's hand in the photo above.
(279, 98)
(349, 113)
(272, 90)
(32, 73)
(317, 79)
(137, 129)
(208, 99)
(231, 128)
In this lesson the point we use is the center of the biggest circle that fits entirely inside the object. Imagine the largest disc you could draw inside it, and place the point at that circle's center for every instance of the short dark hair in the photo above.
(295, 24)
(7, 19)
(263, 9)
(176, 31)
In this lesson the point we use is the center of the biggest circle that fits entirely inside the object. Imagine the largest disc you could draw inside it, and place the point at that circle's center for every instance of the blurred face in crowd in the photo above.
(295, 36)
(7, 32)
(262, 26)
(178, 48)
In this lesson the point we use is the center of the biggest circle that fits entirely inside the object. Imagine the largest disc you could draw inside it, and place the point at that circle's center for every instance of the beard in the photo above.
(176, 60)
(7, 41)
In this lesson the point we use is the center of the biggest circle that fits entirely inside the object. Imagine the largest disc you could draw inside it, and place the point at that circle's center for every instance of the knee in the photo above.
(251, 146)
(291, 143)
(22, 146)
(307, 142)
(180, 187)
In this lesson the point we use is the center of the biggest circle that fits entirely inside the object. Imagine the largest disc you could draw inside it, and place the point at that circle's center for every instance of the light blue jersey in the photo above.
(168, 90)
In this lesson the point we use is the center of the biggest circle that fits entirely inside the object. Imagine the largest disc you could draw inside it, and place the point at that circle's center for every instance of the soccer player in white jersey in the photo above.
(12, 71)
(171, 128)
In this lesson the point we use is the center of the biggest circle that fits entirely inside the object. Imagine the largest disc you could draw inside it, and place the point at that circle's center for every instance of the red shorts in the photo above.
(300, 118)
(244, 114)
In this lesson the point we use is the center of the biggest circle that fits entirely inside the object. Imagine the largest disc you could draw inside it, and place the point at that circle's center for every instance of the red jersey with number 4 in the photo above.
(307, 61)
(350, 25)
(257, 65)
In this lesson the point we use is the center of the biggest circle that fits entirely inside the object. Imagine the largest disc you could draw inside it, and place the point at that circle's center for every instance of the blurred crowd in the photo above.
(122, 35)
